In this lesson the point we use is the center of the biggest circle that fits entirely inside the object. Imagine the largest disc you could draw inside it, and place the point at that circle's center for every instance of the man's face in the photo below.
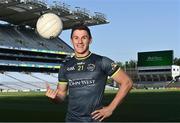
(81, 40)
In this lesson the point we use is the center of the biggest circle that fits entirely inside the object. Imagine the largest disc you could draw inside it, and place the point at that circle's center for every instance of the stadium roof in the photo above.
(26, 12)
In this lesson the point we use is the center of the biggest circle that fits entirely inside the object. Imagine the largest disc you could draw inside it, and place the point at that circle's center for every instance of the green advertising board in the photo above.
(155, 58)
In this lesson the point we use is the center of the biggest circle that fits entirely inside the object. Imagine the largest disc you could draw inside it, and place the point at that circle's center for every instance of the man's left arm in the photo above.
(125, 84)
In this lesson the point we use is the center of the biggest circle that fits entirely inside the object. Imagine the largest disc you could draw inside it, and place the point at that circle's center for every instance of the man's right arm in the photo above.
(57, 95)
(60, 93)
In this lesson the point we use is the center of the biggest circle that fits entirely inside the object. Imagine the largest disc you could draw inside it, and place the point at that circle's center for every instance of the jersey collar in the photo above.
(82, 58)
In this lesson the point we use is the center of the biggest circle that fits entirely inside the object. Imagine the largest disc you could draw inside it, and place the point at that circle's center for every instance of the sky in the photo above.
(135, 26)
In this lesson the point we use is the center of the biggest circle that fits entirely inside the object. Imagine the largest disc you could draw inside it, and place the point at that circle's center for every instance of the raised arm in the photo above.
(57, 95)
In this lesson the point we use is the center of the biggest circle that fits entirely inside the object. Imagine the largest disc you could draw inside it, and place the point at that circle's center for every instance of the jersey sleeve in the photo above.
(109, 66)
(61, 76)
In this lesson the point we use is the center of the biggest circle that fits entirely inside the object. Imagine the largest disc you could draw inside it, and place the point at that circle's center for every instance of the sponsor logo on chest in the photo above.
(81, 83)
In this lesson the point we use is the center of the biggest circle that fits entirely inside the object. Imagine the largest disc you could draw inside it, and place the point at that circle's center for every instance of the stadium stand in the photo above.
(26, 81)
(150, 85)
(155, 69)
(27, 38)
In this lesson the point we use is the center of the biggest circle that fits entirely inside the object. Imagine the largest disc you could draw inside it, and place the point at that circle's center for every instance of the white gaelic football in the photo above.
(49, 26)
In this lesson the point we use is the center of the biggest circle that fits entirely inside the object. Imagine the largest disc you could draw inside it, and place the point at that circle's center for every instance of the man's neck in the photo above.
(78, 55)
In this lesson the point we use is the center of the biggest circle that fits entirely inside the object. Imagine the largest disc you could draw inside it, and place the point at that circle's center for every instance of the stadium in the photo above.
(28, 61)
(155, 69)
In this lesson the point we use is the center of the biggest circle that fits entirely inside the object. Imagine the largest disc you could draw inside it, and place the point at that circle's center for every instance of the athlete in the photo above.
(84, 77)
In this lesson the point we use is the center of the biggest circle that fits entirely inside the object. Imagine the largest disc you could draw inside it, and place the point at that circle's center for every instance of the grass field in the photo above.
(139, 105)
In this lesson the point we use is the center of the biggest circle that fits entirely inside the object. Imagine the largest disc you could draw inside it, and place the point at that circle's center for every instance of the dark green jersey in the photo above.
(86, 78)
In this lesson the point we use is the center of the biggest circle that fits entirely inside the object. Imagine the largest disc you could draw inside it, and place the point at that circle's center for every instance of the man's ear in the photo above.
(90, 41)
(71, 41)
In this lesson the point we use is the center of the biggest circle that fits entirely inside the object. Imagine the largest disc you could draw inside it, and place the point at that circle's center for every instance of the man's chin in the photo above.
(80, 51)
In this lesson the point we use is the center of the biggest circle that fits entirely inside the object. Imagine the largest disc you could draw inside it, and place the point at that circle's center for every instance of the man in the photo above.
(85, 75)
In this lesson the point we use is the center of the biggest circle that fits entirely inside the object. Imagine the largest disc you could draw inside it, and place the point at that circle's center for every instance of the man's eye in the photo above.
(85, 37)
(75, 38)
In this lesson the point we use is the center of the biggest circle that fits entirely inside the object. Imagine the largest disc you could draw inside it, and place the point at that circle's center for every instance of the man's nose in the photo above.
(79, 41)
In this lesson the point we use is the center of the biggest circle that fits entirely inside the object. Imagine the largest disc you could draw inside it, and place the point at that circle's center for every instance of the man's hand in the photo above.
(101, 114)
(51, 93)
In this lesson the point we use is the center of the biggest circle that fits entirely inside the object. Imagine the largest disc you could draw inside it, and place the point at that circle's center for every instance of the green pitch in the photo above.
(139, 105)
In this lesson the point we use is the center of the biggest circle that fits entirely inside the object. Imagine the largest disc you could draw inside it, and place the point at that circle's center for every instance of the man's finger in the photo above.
(56, 92)
(95, 115)
(102, 118)
(53, 93)
(48, 92)
(97, 111)
(47, 86)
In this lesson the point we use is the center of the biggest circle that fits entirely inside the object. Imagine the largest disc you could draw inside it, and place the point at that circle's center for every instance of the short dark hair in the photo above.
(81, 27)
